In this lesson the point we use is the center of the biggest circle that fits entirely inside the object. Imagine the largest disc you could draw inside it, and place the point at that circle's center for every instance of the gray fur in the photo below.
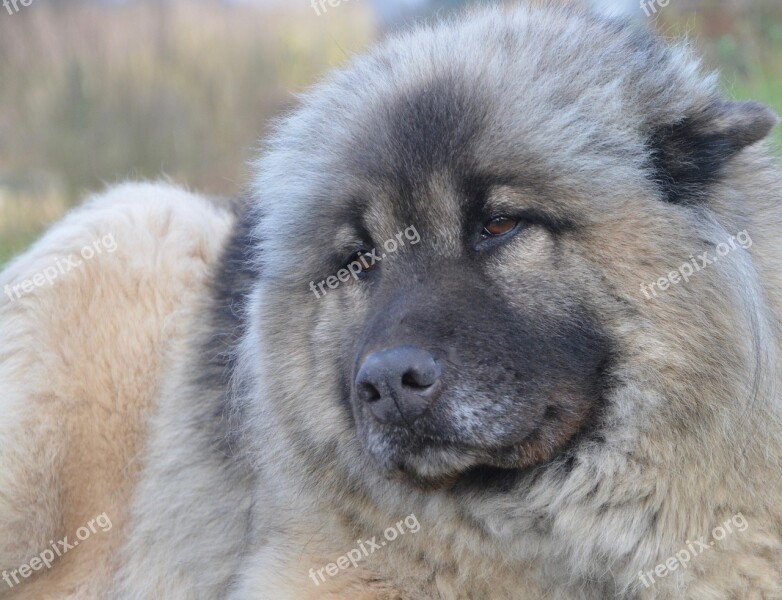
(631, 159)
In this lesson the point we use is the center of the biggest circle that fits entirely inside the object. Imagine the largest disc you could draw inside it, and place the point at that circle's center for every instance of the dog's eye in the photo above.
(498, 226)
(362, 261)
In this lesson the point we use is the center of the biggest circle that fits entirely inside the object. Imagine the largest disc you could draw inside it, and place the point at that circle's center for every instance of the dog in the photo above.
(498, 318)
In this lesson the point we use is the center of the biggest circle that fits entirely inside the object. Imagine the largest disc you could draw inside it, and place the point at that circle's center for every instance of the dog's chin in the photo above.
(431, 469)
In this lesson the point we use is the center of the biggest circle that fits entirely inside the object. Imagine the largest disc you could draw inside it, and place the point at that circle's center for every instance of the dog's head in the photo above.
(454, 232)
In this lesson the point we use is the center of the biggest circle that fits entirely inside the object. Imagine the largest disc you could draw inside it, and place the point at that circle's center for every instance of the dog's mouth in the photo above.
(430, 463)
(448, 475)
(427, 459)
(430, 468)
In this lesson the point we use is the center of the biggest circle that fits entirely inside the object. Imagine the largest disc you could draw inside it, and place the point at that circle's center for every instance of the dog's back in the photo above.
(87, 320)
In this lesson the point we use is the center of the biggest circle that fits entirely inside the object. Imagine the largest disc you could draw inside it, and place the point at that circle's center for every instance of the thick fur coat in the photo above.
(605, 408)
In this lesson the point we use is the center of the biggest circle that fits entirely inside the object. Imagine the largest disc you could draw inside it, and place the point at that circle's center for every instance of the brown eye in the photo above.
(499, 226)
(363, 261)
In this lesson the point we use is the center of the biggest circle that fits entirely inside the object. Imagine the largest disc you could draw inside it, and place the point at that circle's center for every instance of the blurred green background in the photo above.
(93, 92)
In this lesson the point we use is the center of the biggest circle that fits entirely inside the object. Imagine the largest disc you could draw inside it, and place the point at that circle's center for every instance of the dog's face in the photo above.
(470, 344)
(464, 262)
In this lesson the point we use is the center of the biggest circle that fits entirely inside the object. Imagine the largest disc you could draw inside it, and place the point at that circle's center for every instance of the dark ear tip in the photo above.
(690, 154)
(746, 122)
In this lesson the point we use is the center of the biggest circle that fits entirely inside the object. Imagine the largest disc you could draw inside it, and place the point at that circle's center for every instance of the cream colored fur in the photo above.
(80, 365)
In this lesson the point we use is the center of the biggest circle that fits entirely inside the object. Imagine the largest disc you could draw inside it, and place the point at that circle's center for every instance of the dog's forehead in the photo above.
(414, 151)
(417, 129)
(435, 210)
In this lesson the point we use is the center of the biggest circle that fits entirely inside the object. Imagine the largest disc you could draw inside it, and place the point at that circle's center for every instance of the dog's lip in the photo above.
(427, 448)
(479, 473)
(427, 458)
(415, 440)
(449, 476)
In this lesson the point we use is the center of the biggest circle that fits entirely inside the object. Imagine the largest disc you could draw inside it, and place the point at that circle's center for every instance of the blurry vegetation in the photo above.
(91, 94)
(743, 39)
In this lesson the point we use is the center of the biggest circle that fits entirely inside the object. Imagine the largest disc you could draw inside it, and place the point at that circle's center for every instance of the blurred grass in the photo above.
(92, 94)
(742, 39)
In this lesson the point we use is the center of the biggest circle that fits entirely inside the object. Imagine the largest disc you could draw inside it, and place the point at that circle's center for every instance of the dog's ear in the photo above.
(688, 155)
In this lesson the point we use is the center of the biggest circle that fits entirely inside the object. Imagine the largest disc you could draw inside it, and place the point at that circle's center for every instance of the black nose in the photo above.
(398, 384)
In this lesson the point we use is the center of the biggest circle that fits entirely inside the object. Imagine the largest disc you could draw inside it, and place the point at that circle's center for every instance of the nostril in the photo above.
(416, 380)
(369, 393)
(410, 379)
